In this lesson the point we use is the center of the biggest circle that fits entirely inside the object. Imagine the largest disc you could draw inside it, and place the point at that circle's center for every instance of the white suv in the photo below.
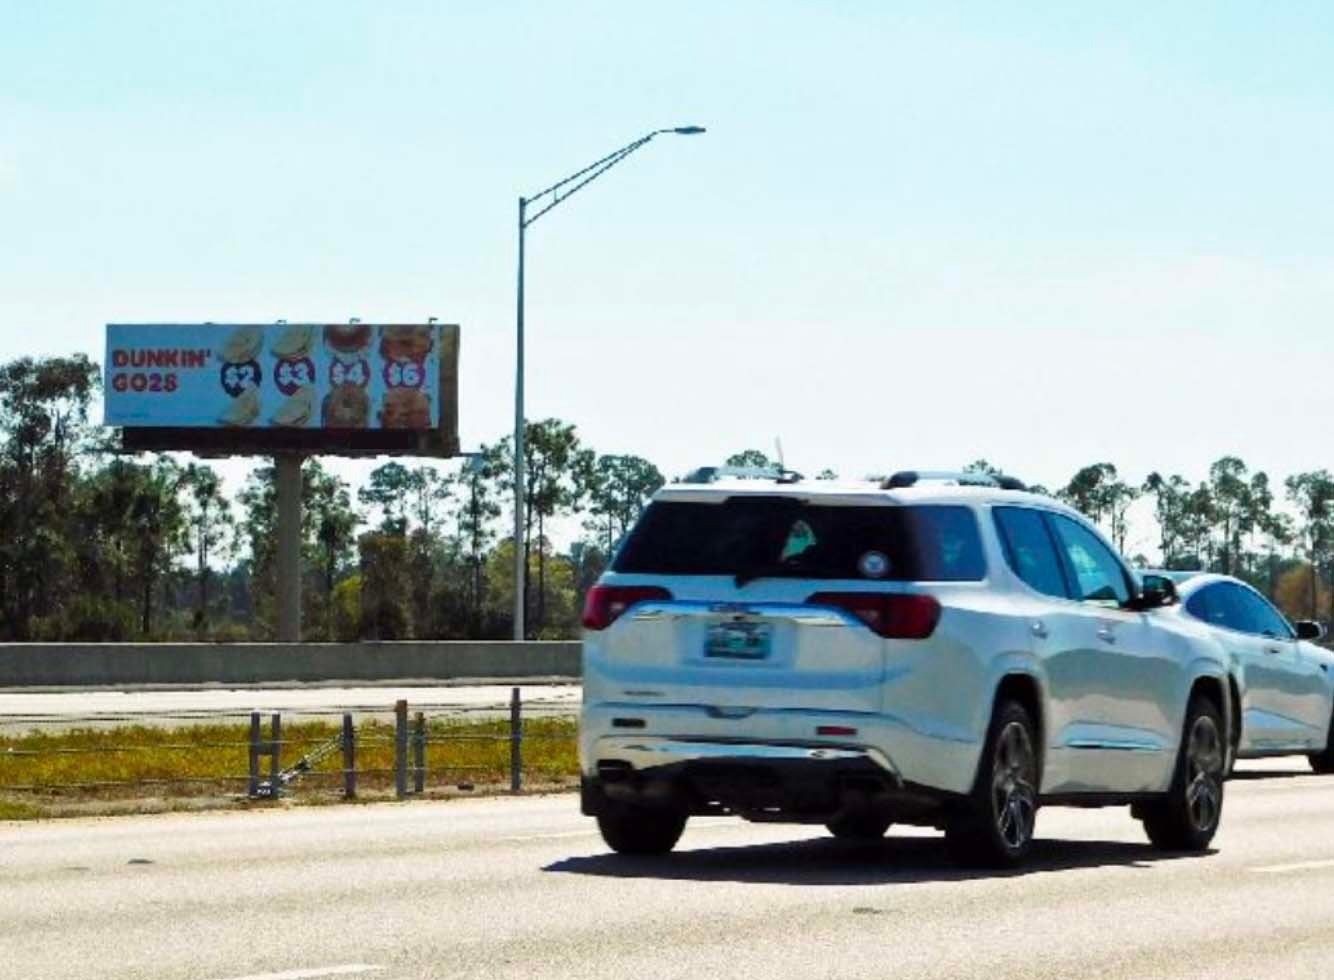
(936, 649)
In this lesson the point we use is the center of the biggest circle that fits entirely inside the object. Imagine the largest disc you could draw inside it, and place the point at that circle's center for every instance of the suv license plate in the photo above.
(740, 641)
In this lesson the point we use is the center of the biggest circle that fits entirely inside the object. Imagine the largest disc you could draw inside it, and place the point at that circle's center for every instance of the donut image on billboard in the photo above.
(347, 406)
(348, 402)
(241, 376)
(349, 345)
(294, 376)
(405, 350)
(297, 410)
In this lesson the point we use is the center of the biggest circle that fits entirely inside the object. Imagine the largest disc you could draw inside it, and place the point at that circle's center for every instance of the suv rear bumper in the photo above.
(943, 760)
(791, 783)
(653, 753)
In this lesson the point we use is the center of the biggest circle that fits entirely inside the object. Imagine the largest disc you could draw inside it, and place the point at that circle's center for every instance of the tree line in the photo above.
(96, 545)
(100, 546)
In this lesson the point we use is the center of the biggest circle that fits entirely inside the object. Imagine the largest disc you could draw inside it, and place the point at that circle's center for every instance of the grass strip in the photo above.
(54, 773)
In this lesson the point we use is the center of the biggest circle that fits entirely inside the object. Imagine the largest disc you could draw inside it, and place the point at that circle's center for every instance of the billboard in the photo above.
(329, 388)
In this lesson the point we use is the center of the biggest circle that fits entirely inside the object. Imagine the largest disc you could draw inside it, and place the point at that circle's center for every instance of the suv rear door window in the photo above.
(1272, 622)
(757, 536)
(1255, 615)
(1029, 549)
(1099, 575)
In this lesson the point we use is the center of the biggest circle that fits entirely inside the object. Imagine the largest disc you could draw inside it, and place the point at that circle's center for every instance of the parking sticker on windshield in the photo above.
(873, 564)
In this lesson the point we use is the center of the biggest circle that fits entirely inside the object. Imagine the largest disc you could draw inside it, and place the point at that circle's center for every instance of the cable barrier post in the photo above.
(252, 788)
(275, 753)
(349, 758)
(400, 749)
(516, 742)
(419, 754)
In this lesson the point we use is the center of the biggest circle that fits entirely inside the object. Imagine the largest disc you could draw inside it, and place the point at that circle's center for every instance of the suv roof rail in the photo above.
(711, 474)
(909, 478)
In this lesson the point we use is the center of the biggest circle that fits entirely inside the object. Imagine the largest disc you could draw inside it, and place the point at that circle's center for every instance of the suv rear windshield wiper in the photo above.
(750, 573)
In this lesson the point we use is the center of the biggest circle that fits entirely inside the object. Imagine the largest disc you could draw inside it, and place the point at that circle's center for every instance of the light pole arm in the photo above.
(583, 177)
(546, 200)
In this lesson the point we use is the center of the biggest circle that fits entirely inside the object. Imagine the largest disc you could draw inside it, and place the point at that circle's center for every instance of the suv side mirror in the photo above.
(1308, 629)
(1155, 592)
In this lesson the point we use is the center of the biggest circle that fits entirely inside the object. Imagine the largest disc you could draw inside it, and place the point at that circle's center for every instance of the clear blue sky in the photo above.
(1047, 234)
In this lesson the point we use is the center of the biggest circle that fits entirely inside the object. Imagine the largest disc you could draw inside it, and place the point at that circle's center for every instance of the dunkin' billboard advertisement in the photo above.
(296, 376)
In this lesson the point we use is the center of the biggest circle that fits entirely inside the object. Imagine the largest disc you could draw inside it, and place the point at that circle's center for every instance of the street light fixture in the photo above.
(556, 193)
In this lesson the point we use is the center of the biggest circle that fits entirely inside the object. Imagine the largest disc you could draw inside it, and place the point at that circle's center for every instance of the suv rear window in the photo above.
(752, 537)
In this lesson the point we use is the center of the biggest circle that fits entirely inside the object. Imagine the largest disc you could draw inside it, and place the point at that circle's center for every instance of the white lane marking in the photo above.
(1278, 869)
(347, 969)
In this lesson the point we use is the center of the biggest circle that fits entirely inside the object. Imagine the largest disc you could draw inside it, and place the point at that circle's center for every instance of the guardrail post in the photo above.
(349, 758)
(419, 754)
(516, 742)
(275, 753)
(252, 788)
(401, 749)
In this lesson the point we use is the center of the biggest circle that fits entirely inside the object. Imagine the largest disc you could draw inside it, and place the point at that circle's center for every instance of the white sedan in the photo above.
(1283, 699)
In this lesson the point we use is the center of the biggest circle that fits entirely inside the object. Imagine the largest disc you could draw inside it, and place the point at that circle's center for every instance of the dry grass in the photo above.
(92, 770)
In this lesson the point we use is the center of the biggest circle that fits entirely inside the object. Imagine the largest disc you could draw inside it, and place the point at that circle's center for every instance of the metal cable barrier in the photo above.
(436, 746)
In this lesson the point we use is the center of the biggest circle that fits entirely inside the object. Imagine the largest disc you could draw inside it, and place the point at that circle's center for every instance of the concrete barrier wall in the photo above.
(192, 664)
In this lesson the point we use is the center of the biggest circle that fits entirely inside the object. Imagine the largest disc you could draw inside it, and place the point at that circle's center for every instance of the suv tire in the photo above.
(1323, 762)
(862, 826)
(1187, 818)
(640, 830)
(995, 827)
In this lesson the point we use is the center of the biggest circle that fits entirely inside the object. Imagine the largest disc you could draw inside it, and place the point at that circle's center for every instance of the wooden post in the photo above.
(401, 749)
(516, 742)
(275, 753)
(419, 754)
(252, 789)
(349, 759)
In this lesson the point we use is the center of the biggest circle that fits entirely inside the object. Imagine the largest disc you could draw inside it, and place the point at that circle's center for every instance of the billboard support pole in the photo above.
(288, 467)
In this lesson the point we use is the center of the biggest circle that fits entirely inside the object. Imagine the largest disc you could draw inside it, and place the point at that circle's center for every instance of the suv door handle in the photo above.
(1272, 650)
(1106, 635)
(1040, 629)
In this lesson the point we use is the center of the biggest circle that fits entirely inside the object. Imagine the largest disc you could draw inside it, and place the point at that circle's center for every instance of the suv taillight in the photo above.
(605, 603)
(896, 615)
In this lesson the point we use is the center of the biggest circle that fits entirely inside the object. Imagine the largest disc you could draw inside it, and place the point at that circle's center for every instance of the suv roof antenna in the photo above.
(711, 474)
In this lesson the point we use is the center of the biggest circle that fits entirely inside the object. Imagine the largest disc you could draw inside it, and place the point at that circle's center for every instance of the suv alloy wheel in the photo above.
(1187, 818)
(996, 827)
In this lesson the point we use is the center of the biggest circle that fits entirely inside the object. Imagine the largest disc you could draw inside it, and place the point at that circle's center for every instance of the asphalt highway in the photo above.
(524, 888)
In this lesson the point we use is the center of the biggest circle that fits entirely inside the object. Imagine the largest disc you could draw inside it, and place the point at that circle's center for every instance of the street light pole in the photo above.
(557, 193)
(520, 558)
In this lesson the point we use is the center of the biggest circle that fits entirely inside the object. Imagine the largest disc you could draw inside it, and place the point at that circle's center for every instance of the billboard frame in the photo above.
(440, 441)
(289, 448)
